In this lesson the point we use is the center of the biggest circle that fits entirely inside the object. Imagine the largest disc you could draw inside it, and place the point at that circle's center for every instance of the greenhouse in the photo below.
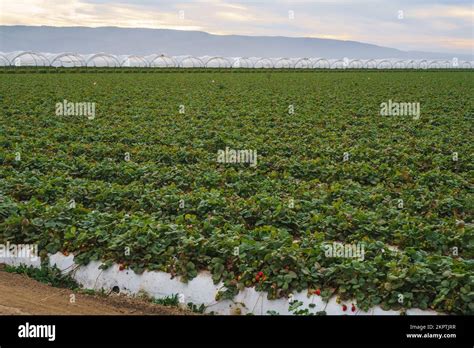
(161, 61)
(321, 63)
(4, 61)
(422, 64)
(355, 64)
(243, 62)
(446, 64)
(105, 60)
(284, 63)
(410, 64)
(303, 63)
(67, 60)
(399, 64)
(218, 62)
(434, 65)
(370, 64)
(28, 58)
(337, 64)
(134, 61)
(265, 63)
(384, 64)
(102, 60)
(190, 62)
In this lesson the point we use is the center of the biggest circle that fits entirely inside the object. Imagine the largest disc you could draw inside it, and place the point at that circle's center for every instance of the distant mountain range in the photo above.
(179, 42)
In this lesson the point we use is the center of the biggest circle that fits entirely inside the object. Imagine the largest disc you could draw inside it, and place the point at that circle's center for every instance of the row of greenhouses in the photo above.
(28, 58)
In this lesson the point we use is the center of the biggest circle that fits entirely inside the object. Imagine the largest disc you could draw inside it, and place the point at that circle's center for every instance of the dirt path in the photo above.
(20, 295)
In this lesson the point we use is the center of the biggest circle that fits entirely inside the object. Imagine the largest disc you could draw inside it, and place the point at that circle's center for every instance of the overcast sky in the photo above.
(438, 26)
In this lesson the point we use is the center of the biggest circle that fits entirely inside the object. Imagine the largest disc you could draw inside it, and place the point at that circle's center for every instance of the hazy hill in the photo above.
(177, 42)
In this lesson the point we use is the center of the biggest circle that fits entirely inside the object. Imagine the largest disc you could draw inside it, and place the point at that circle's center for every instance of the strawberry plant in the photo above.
(139, 185)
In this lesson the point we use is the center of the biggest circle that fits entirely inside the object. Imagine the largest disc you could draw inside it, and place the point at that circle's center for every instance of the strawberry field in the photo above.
(139, 183)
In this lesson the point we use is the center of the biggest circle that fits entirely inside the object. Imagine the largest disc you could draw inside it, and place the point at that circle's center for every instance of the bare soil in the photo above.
(20, 295)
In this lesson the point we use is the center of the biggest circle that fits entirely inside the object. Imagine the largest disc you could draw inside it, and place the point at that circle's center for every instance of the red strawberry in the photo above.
(344, 307)
(317, 292)
(121, 267)
(260, 274)
(353, 308)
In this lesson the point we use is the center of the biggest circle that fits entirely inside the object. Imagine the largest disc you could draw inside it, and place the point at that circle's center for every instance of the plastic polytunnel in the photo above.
(384, 64)
(70, 60)
(189, 62)
(421, 64)
(133, 61)
(217, 62)
(447, 64)
(265, 63)
(67, 60)
(283, 63)
(161, 61)
(369, 64)
(28, 58)
(102, 60)
(303, 63)
(337, 64)
(439, 64)
(321, 63)
(355, 64)
(399, 64)
(243, 62)
(254, 60)
(4, 61)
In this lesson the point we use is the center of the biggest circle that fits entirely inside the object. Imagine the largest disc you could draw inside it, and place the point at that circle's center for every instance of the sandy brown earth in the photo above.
(20, 295)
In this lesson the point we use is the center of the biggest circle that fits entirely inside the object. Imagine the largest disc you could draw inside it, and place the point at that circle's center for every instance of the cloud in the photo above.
(442, 25)
(445, 11)
(234, 16)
